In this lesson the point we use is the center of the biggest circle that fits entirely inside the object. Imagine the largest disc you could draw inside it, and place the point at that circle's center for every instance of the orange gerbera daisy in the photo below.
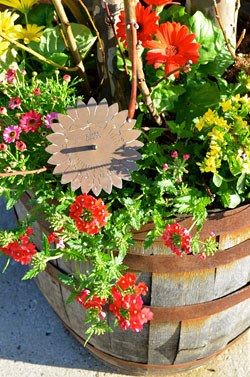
(174, 47)
(159, 3)
(146, 20)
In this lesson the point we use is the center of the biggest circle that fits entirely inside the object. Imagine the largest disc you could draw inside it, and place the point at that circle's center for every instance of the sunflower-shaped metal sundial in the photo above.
(94, 146)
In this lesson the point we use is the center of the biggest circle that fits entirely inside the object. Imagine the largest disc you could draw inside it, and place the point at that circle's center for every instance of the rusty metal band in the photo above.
(182, 313)
(188, 263)
(220, 223)
(114, 361)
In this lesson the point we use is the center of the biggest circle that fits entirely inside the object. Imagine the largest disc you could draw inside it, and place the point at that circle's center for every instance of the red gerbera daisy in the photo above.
(146, 20)
(159, 3)
(31, 121)
(174, 47)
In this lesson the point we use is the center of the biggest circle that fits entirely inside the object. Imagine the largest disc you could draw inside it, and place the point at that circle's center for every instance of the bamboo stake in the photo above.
(129, 9)
(25, 172)
(117, 42)
(99, 39)
(236, 59)
(72, 45)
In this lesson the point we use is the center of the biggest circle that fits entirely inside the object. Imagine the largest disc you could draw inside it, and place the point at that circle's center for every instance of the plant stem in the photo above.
(76, 57)
(129, 9)
(236, 59)
(36, 54)
(99, 39)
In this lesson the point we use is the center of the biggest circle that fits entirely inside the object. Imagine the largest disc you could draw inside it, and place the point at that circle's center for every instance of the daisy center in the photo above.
(54, 120)
(86, 215)
(32, 122)
(12, 134)
(171, 50)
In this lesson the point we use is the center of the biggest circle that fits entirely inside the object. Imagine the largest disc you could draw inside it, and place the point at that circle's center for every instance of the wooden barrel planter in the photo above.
(200, 306)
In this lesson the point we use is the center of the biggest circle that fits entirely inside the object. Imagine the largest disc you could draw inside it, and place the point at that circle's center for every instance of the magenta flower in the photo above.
(51, 118)
(15, 103)
(165, 167)
(3, 110)
(186, 156)
(211, 234)
(37, 91)
(60, 243)
(10, 75)
(11, 133)
(30, 121)
(179, 179)
(175, 154)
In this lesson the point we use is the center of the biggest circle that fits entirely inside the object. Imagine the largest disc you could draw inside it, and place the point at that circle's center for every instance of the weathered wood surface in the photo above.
(217, 288)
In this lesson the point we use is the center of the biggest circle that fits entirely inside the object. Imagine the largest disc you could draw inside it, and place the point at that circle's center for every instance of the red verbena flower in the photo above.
(31, 121)
(174, 47)
(146, 20)
(94, 302)
(159, 3)
(126, 281)
(89, 213)
(177, 238)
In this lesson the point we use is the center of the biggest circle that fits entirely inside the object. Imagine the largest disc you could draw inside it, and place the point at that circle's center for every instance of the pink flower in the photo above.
(15, 103)
(211, 234)
(175, 154)
(51, 118)
(202, 256)
(66, 78)
(60, 243)
(177, 238)
(186, 156)
(179, 179)
(37, 91)
(10, 75)
(31, 121)
(21, 146)
(3, 147)
(165, 167)
(11, 133)
(3, 110)
(23, 72)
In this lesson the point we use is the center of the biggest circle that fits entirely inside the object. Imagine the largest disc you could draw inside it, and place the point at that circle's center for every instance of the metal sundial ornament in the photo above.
(94, 146)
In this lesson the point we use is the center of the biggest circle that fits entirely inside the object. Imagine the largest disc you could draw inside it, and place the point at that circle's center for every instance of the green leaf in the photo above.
(83, 37)
(241, 183)
(72, 297)
(10, 203)
(42, 15)
(154, 133)
(51, 42)
(149, 240)
(217, 180)
(45, 244)
(66, 279)
(234, 200)
(31, 274)
(57, 57)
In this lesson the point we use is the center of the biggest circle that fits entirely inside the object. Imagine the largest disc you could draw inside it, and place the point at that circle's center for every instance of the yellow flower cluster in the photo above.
(22, 5)
(227, 140)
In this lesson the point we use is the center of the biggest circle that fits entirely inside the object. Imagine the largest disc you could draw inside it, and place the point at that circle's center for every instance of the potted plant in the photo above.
(157, 189)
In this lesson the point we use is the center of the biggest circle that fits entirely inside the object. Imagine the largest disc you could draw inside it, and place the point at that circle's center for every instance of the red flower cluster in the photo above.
(127, 303)
(93, 302)
(146, 20)
(177, 238)
(21, 251)
(52, 237)
(159, 3)
(90, 214)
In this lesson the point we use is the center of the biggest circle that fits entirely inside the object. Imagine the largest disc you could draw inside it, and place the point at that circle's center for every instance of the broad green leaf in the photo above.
(83, 37)
(42, 15)
(154, 133)
(241, 183)
(217, 180)
(234, 200)
(57, 57)
(51, 41)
